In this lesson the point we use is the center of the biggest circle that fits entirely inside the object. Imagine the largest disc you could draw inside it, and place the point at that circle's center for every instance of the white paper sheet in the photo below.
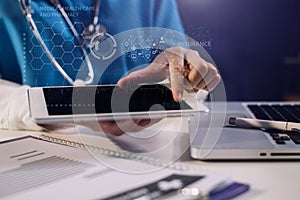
(35, 169)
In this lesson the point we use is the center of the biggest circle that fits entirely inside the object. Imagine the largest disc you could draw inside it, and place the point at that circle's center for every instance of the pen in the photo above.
(265, 124)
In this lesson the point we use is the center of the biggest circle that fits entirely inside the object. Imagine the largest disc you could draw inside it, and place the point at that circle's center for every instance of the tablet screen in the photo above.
(108, 99)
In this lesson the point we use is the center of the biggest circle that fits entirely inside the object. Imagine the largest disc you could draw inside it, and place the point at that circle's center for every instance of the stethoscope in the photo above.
(94, 30)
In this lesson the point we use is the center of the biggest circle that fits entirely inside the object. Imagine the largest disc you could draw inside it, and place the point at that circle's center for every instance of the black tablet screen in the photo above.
(107, 99)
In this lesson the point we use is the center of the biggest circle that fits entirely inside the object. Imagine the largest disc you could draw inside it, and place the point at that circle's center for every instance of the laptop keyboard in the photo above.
(281, 137)
(290, 113)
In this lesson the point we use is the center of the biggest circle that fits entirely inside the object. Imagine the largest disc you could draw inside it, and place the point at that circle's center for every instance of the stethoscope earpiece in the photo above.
(93, 30)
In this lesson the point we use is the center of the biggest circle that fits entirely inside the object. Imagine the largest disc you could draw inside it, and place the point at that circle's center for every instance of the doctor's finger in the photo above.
(211, 75)
(155, 72)
(198, 67)
(176, 66)
(212, 84)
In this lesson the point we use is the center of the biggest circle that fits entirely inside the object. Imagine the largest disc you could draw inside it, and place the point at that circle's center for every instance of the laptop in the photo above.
(213, 138)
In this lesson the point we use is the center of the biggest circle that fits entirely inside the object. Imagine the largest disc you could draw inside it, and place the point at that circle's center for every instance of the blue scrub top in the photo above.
(23, 60)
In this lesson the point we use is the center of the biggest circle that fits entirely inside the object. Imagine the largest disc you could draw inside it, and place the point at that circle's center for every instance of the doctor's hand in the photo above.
(118, 128)
(184, 68)
(115, 128)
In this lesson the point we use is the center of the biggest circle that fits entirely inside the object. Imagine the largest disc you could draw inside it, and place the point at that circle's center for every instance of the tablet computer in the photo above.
(105, 102)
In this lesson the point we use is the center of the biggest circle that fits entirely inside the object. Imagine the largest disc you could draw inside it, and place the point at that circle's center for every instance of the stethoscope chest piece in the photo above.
(101, 44)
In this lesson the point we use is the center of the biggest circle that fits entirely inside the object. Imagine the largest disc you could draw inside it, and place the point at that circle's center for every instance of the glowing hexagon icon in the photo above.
(58, 40)
(57, 52)
(68, 58)
(47, 34)
(36, 64)
(68, 46)
(58, 27)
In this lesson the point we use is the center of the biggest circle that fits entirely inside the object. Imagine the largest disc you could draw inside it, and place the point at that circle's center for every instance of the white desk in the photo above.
(268, 180)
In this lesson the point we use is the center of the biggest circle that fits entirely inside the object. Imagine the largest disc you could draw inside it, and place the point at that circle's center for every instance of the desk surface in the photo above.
(268, 180)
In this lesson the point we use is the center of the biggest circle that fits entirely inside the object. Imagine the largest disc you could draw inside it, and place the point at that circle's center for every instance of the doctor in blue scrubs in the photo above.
(18, 72)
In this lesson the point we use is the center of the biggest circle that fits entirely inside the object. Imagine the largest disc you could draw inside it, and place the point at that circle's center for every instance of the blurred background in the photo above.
(255, 44)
